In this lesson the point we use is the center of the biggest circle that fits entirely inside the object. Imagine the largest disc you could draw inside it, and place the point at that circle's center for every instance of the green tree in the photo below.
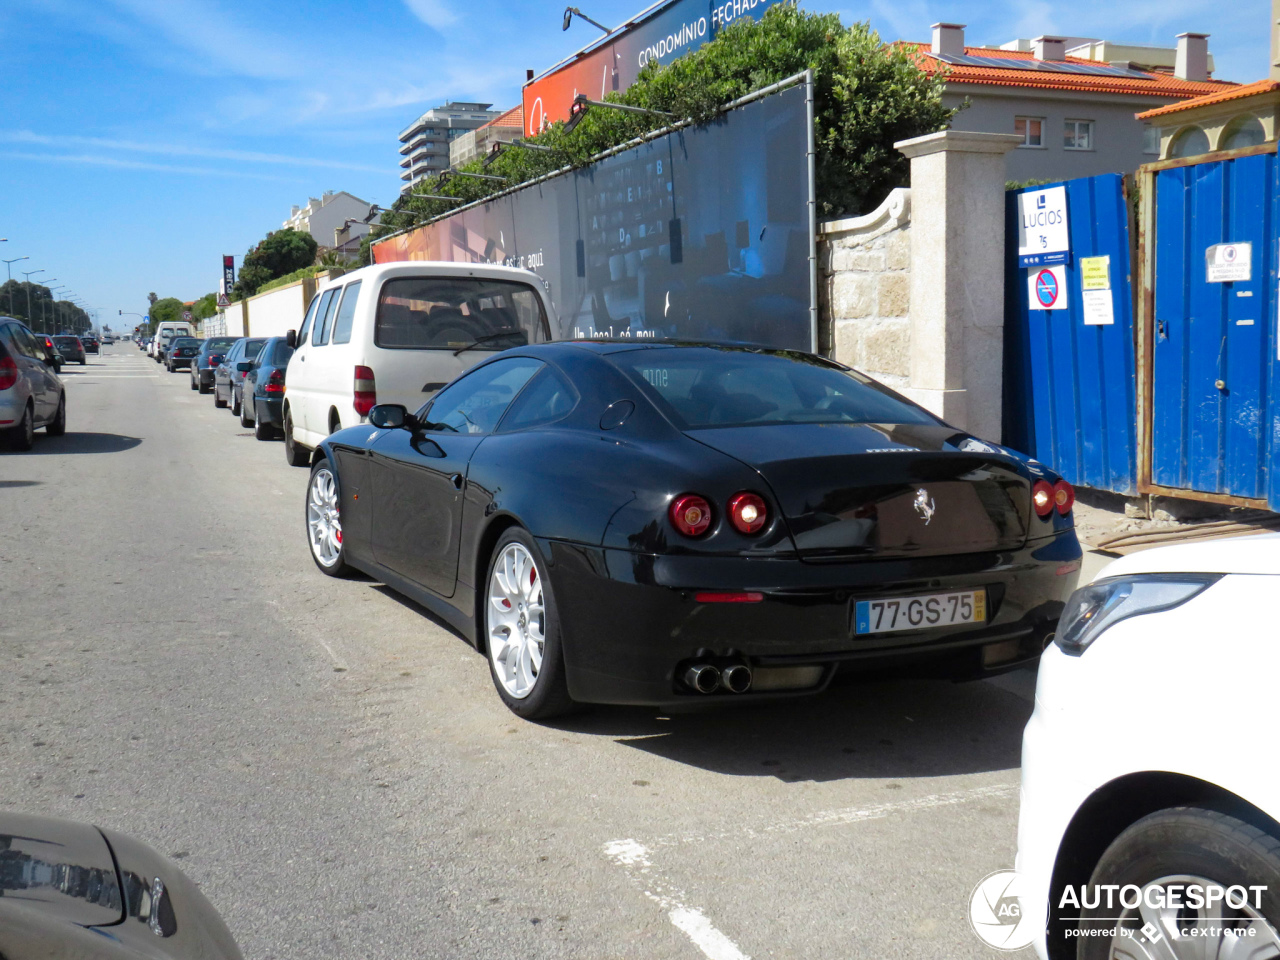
(205, 307)
(167, 310)
(866, 96)
(280, 252)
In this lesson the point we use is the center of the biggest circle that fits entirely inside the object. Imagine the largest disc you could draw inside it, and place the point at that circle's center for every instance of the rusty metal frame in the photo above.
(1144, 327)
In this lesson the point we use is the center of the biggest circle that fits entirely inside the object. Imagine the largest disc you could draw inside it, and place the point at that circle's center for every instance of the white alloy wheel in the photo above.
(515, 620)
(324, 526)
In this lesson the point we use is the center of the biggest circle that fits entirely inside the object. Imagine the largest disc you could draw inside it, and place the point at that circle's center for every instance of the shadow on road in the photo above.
(83, 443)
(8, 484)
(855, 729)
(871, 729)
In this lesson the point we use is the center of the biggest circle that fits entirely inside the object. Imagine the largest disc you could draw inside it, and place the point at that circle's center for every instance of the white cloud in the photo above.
(207, 153)
(433, 13)
(96, 160)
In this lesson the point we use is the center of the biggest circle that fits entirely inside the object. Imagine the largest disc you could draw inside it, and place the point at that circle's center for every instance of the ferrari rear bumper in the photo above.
(632, 623)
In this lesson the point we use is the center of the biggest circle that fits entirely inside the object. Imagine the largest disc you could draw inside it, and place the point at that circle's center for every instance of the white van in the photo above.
(164, 336)
(397, 333)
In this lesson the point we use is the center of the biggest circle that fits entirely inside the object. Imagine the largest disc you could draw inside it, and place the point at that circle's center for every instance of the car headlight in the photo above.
(1094, 608)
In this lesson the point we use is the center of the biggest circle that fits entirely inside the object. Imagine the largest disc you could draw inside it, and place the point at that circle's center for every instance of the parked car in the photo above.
(764, 518)
(1145, 764)
(31, 394)
(396, 333)
(261, 391)
(72, 349)
(182, 352)
(91, 344)
(143, 343)
(226, 373)
(165, 334)
(69, 889)
(206, 361)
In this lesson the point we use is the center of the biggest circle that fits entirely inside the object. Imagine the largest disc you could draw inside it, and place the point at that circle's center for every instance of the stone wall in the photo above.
(864, 289)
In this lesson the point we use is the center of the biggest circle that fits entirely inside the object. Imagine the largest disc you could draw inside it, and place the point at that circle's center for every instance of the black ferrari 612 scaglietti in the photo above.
(637, 522)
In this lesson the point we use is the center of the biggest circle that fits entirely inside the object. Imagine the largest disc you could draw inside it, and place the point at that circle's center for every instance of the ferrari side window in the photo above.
(477, 402)
(547, 399)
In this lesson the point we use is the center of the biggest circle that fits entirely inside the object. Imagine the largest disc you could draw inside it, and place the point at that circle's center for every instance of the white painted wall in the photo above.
(276, 312)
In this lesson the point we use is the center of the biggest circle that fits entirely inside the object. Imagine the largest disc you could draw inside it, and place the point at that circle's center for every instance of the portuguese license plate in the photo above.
(919, 613)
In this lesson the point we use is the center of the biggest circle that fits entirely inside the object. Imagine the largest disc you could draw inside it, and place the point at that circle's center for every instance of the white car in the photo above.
(397, 333)
(1150, 821)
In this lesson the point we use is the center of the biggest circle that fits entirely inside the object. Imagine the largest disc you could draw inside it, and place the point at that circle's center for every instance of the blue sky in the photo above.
(142, 139)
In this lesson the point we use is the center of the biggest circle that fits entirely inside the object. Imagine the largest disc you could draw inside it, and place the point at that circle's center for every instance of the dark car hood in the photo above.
(884, 490)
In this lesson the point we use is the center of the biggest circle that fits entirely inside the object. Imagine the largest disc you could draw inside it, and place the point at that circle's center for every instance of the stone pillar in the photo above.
(957, 276)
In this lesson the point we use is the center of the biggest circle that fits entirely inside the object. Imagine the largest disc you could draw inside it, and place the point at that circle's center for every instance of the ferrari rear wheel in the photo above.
(522, 631)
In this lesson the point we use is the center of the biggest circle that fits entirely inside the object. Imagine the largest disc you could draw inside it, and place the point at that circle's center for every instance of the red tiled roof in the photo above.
(1235, 93)
(1160, 84)
(512, 118)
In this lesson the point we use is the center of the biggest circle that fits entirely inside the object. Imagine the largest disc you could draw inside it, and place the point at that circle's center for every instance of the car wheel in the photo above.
(263, 430)
(58, 426)
(23, 436)
(1178, 847)
(324, 522)
(235, 403)
(83, 362)
(202, 388)
(294, 452)
(194, 385)
(522, 632)
(217, 398)
(246, 420)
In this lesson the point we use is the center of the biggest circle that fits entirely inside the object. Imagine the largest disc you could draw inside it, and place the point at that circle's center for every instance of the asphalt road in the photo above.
(336, 771)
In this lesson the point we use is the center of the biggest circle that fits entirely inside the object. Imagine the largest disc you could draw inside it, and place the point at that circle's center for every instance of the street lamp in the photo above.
(8, 267)
(53, 293)
(571, 12)
(43, 312)
(578, 110)
(28, 274)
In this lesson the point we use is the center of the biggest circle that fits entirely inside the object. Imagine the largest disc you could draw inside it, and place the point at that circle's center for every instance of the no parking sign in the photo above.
(1047, 288)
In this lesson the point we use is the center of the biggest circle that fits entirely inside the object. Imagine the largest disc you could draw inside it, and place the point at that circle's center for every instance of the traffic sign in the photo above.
(222, 300)
(186, 315)
(1047, 288)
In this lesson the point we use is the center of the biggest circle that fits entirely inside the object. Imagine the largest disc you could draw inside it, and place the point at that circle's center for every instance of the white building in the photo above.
(333, 212)
(424, 144)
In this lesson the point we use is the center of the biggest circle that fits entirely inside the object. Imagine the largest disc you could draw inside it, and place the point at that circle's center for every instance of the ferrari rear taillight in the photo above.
(748, 513)
(690, 514)
(366, 391)
(1042, 498)
(275, 382)
(1064, 497)
(8, 372)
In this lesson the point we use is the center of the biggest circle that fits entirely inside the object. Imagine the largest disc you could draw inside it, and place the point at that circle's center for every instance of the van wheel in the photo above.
(335, 422)
(294, 452)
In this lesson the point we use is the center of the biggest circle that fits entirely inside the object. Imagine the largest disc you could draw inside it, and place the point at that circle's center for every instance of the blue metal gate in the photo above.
(1209, 360)
(1069, 396)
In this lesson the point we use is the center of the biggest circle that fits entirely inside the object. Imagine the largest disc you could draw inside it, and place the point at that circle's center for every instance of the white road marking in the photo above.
(633, 857)
(637, 860)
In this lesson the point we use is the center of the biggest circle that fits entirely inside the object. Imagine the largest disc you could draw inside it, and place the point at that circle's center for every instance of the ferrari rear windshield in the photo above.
(712, 387)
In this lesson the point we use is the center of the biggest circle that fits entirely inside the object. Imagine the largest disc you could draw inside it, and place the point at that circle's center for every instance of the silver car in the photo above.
(31, 393)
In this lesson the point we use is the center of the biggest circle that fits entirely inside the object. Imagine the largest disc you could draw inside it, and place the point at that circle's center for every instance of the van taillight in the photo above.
(8, 372)
(366, 391)
(275, 382)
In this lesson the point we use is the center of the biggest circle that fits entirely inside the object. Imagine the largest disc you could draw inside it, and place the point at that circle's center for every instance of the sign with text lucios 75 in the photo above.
(1043, 237)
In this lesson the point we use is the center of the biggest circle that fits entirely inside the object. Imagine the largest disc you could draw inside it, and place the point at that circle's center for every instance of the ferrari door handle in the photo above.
(456, 480)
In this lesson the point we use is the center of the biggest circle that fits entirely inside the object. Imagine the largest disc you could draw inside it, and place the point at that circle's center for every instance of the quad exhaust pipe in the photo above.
(736, 678)
(708, 678)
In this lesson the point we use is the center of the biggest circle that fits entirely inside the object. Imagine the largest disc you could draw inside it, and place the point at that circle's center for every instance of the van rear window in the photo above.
(447, 313)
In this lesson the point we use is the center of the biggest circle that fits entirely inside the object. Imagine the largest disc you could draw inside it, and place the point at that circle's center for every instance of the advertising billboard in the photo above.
(704, 232)
(662, 33)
